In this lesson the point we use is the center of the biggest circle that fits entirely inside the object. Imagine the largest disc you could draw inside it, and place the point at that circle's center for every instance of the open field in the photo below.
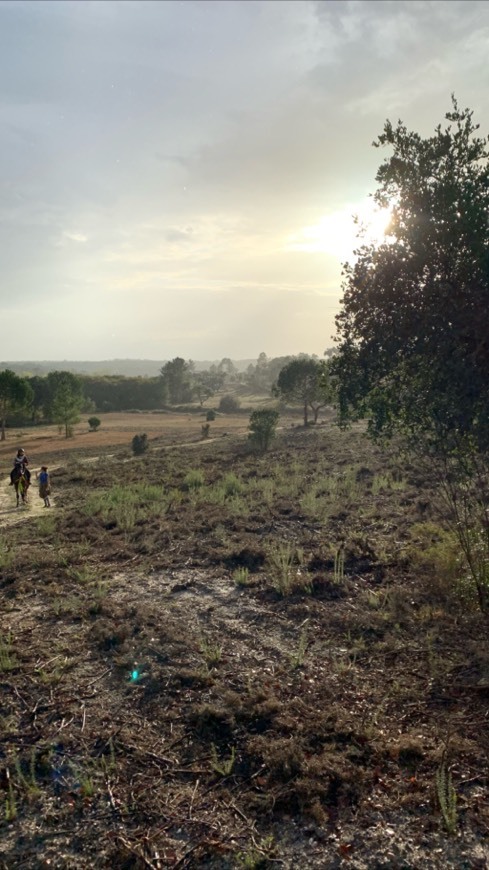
(214, 659)
(117, 430)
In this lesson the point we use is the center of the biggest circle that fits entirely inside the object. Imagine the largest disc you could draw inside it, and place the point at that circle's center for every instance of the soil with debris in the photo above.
(210, 658)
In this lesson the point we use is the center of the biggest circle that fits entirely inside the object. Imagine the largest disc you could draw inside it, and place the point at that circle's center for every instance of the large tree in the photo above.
(40, 397)
(15, 395)
(177, 378)
(66, 399)
(207, 383)
(305, 380)
(414, 325)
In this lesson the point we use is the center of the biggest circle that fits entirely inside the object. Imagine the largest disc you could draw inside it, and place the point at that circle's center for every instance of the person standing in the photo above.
(44, 485)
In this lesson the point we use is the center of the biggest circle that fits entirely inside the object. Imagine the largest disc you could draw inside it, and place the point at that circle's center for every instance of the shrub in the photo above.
(94, 423)
(229, 404)
(210, 416)
(241, 576)
(140, 444)
(194, 479)
(205, 430)
(285, 562)
(263, 424)
(231, 484)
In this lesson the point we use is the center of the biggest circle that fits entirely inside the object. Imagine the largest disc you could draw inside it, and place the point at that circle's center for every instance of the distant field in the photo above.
(44, 443)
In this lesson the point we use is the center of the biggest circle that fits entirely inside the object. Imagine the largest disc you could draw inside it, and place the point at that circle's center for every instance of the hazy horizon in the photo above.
(178, 179)
(124, 366)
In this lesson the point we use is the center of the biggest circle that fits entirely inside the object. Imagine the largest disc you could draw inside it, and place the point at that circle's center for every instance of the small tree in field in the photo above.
(140, 444)
(263, 424)
(94, 423)
(66, 399)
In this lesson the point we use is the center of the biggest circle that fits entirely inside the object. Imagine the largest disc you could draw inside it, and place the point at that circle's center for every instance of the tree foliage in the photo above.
(229, 404)
(66, 399)
(263, 425)
(414, 325)
(305, 380)
(15, 394)
(40, 397)
(177, 378)
(207, 383)
(140, 444)
(261, 377)
(227, 367)
(120, 393)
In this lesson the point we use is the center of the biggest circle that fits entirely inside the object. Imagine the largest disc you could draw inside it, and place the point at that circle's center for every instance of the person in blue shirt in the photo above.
(44, 485)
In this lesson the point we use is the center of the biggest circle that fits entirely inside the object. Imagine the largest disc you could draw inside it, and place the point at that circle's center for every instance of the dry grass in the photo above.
(117, 430)
(163, 704)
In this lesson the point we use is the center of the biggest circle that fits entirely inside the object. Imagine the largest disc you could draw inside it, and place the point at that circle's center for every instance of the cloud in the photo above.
(156, 157)
(175, 235)
(75, 237)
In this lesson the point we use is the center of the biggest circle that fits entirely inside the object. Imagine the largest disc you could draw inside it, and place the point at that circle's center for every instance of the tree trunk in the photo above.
(306, 418)
(3, 436)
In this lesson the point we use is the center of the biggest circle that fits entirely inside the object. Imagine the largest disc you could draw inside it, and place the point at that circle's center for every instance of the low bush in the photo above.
(140, 444)
(229, 404)
(94, 423)
(263, 424)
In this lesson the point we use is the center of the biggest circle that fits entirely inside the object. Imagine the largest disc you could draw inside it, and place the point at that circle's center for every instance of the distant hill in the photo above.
(127, 367)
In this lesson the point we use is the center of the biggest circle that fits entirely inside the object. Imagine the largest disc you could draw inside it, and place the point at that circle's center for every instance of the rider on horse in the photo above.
(20, 467)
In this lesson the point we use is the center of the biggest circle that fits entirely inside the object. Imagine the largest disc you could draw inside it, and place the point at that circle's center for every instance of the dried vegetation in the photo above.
(210, 658)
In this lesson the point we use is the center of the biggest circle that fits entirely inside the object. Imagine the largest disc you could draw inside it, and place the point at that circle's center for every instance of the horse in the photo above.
(21, 484)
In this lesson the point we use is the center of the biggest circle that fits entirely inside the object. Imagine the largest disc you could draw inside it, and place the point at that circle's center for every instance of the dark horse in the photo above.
(21, 484)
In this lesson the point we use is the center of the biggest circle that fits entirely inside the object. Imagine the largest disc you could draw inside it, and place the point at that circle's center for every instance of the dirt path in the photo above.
(10, 514)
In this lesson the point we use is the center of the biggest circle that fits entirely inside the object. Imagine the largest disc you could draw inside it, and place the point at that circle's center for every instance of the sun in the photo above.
(337, 233)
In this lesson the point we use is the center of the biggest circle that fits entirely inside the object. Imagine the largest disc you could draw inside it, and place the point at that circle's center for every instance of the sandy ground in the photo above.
(10, 514)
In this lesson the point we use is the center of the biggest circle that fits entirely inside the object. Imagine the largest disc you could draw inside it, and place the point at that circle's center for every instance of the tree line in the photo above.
(60, 397)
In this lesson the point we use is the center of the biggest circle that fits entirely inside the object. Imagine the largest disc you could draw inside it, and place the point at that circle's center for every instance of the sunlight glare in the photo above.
(337, 233)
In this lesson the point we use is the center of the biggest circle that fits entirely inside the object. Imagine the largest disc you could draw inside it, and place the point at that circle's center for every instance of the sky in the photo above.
(179, 178)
